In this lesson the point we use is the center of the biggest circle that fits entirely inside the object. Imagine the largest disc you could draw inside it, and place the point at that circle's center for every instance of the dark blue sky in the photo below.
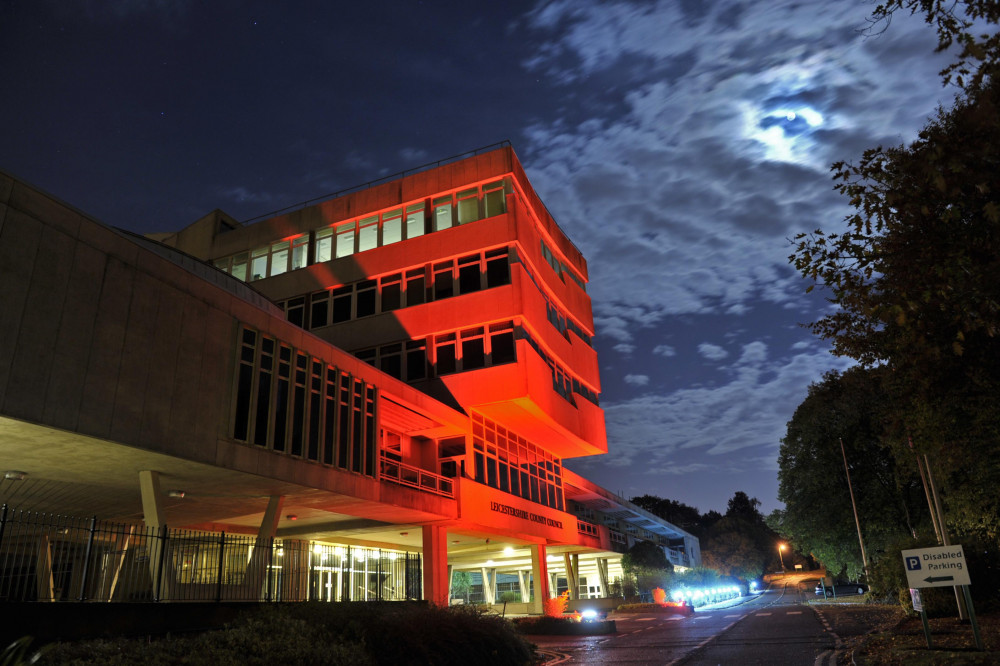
(679, 144)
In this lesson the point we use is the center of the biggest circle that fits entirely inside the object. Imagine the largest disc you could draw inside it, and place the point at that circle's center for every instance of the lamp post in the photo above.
(781, 547)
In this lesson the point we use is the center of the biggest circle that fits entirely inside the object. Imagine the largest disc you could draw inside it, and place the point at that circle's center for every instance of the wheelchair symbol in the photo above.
(912, 563)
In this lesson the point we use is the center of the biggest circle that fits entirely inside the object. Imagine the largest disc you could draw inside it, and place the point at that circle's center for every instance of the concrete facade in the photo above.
(249, 401)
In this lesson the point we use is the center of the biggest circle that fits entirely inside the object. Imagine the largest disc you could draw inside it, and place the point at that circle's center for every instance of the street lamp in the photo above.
(781, 547)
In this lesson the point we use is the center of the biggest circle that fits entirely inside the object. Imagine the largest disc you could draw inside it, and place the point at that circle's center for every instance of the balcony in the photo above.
(414, 477)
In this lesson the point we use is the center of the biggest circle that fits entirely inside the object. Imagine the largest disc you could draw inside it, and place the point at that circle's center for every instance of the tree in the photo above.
(647, 564)
(962, 22)
(916, 276)
(676, 513)
(848, 407)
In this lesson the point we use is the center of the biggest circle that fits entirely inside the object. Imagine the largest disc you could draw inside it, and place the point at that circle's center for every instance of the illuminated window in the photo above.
(240, 266)
(392, 226)
(258, 263)
(468, 206)
(441, 215)
(493, 199)
(415, 220)
(345, 239)
(300, 252)
(279, 257)
(324, 244)
(367, 233)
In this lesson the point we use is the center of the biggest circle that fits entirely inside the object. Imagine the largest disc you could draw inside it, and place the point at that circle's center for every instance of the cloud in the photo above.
(624, 348)
(664, 350)
(712, 352)
(637, 380)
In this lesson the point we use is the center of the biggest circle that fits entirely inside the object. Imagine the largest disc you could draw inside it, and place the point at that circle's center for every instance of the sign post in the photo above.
(942, 566)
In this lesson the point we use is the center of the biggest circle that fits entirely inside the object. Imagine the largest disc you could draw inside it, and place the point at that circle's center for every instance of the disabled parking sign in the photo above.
(943, 566)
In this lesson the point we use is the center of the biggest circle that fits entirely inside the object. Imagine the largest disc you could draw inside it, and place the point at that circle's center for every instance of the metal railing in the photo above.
(414, 477)
(590, 529)
(46, 557)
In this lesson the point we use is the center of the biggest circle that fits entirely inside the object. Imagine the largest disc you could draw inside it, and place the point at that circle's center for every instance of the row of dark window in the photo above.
(292, 403)
(511, 464)
(458, 351)
(387, 293)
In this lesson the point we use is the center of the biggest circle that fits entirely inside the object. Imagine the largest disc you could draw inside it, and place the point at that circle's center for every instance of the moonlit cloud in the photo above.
(664, 350)
(636, 380)
(712, 352)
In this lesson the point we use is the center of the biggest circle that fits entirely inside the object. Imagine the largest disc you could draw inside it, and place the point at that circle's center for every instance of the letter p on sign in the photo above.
(913, 563)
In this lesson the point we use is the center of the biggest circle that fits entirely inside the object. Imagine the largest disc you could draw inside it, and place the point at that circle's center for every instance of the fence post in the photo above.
(3, 521)
(218, 578)
(162, 536)
(267, 569)
(86, 560)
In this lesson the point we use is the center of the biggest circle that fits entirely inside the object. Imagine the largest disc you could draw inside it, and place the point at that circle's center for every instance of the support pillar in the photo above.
(489, 585)
(572, 562)
(263, 549)
(451, 580)
(522, 584)
(43, 569)
(436, 564)
(539, 578)
(160, 566)
(602, 573)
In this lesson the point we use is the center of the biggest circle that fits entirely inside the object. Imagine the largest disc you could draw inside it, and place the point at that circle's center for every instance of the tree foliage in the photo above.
(852, 408)
(916, 276)
(969, 24)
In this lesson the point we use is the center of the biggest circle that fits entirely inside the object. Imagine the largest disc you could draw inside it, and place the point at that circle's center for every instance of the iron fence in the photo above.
(48, 557)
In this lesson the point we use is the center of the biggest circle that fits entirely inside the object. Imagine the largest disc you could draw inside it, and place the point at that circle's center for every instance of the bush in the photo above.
(352, 634)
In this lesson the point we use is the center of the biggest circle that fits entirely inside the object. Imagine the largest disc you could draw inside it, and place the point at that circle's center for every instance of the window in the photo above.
(279, 257)
(368, 233)
(502, 344)
(240, 266)
(414, 220)
(392, 226)
(468, 274)
(296, 310)
(493, 199)
(443, 280)
(416, 360)
(507, 462)
(391, 360)
(324, 244)
(258, 263)
(441, 214)
(390, 291)
(300, 252)
(319, 309)
(343, 301)
(473, 348)
(468, 206)
(345, 239)
(497, 268)
(444, 352)
(366, 298)
(415, 287)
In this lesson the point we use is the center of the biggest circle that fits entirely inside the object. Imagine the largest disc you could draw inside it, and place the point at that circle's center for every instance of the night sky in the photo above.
(679, 144)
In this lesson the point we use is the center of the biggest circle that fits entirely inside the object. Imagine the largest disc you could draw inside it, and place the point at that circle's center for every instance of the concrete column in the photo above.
(572, 562)
(522, 583)
(489, 585)
(113, 569)
(602, 572)
(257, 572)
(540, 578)
(43, 569)
(436, 564)
(160, 566)
(451, 577)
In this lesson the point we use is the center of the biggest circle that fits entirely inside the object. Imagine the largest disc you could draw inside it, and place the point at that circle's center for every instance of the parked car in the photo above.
(842, 588)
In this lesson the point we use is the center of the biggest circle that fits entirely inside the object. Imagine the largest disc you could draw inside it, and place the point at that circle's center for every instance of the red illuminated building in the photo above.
(401, 369)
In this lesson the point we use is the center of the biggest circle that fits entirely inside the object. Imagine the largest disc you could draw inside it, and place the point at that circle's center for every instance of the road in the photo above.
(772, 628)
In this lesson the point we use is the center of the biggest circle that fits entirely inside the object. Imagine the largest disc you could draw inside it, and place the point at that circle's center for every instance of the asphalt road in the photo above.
(773, 628)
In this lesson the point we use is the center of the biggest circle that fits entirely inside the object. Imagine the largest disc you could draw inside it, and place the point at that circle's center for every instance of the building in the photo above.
(395, 374)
